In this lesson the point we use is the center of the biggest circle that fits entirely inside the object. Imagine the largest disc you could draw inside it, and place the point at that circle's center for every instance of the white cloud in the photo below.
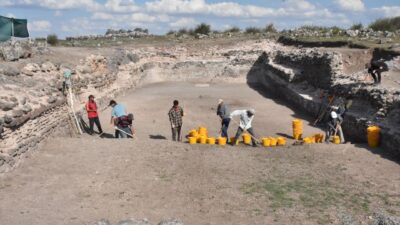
(222, 9)
(10, 15)
(351, 5)
(58, 13)
(183, 22)
(121, 6)
(388, 11)
(299, 5)
(54, 4)
(102, 16)
(39, 25)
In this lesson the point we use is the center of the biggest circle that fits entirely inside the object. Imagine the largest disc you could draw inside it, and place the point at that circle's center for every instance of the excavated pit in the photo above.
(75, 179)
(295, 75)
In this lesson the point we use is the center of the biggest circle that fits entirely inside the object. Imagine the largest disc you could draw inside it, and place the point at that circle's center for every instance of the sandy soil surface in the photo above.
(78, 180)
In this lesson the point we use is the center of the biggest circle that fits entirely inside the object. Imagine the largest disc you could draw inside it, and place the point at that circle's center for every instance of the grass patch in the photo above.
(315, 197)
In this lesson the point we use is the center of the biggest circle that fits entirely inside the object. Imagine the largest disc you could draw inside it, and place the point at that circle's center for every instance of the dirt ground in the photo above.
(74, 181)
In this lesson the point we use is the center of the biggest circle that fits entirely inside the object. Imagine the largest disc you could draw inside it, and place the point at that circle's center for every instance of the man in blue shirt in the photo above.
(118, 116)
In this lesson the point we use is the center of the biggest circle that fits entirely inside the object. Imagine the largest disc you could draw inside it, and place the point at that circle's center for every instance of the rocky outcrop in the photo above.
(14, 50)
(299, 76)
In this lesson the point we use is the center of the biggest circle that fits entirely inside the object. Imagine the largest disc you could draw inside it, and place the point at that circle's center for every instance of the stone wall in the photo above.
(372, 105)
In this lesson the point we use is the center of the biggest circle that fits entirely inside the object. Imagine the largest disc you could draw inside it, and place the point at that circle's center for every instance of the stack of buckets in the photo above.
(201, 136)
(297, 129)
(373, 136)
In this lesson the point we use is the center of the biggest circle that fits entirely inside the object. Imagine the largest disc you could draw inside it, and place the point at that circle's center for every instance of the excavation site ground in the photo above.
(83, 179)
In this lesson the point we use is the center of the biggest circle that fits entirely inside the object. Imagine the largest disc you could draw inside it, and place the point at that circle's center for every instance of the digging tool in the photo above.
(321, 116)
(130, 135)
(255, 138)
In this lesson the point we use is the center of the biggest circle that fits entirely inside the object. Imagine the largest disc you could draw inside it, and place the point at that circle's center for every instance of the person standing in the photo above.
(223, 113)
(91, 109)
(246, 117)
(118, 116)
(175, 117)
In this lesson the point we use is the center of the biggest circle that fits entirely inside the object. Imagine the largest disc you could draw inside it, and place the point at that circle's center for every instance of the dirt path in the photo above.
(75, 181)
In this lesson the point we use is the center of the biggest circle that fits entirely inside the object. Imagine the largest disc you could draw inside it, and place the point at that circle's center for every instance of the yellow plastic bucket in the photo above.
(193, 133)
(281, 141)
(307, 140)
(273, 141)
(211, 141)
(246, 138)
(336, 139)
(373, 136)
(192, 140)
(266, 142)
(221, 141)
(202, 131)
(202, 139)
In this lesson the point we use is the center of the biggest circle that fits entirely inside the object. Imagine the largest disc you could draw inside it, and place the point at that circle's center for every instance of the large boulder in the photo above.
(14, 50)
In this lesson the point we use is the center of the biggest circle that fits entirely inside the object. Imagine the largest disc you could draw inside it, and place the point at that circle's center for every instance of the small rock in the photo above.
(30, 69)
(51, 99)
(100, 222)
(48, 66)
(26, 108)
(14, 99)
(8, 70)
(6, 106)
(134, 222)
(171, 222)
(17, 113)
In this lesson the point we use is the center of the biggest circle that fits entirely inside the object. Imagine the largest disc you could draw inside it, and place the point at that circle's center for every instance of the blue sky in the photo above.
(79, 17)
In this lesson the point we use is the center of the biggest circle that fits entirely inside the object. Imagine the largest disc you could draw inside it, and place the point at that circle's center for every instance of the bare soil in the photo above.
(78, 180)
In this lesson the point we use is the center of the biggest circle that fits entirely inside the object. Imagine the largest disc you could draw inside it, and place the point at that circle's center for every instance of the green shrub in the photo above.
(253, 30)
(233, 30)
(270, 28)
(202, 28)
(52, 39)
(171, 32)
(336, 30)
(386, 24)
(357, 26)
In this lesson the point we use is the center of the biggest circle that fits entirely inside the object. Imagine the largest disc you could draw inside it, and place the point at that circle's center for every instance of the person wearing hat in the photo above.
(91, 109)
(334, 127)
(118, 115)
(67, 80)
(246, 117)
(223, 113)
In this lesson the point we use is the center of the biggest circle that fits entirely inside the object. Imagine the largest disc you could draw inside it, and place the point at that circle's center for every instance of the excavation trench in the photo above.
(290, 76)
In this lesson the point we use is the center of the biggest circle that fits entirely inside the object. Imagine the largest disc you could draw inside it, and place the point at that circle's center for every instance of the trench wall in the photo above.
(367, 101)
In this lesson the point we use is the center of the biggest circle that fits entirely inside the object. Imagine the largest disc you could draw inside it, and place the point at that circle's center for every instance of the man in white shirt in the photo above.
(246, 117)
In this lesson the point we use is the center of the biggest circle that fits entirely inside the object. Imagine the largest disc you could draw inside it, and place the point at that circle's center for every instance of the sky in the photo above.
(83, 17)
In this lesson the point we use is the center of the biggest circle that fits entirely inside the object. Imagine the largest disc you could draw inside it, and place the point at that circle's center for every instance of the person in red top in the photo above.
(91, 109)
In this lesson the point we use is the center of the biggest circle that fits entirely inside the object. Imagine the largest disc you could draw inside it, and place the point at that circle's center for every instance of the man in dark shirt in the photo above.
(175, 117)
(223, 113)
(375, 68)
